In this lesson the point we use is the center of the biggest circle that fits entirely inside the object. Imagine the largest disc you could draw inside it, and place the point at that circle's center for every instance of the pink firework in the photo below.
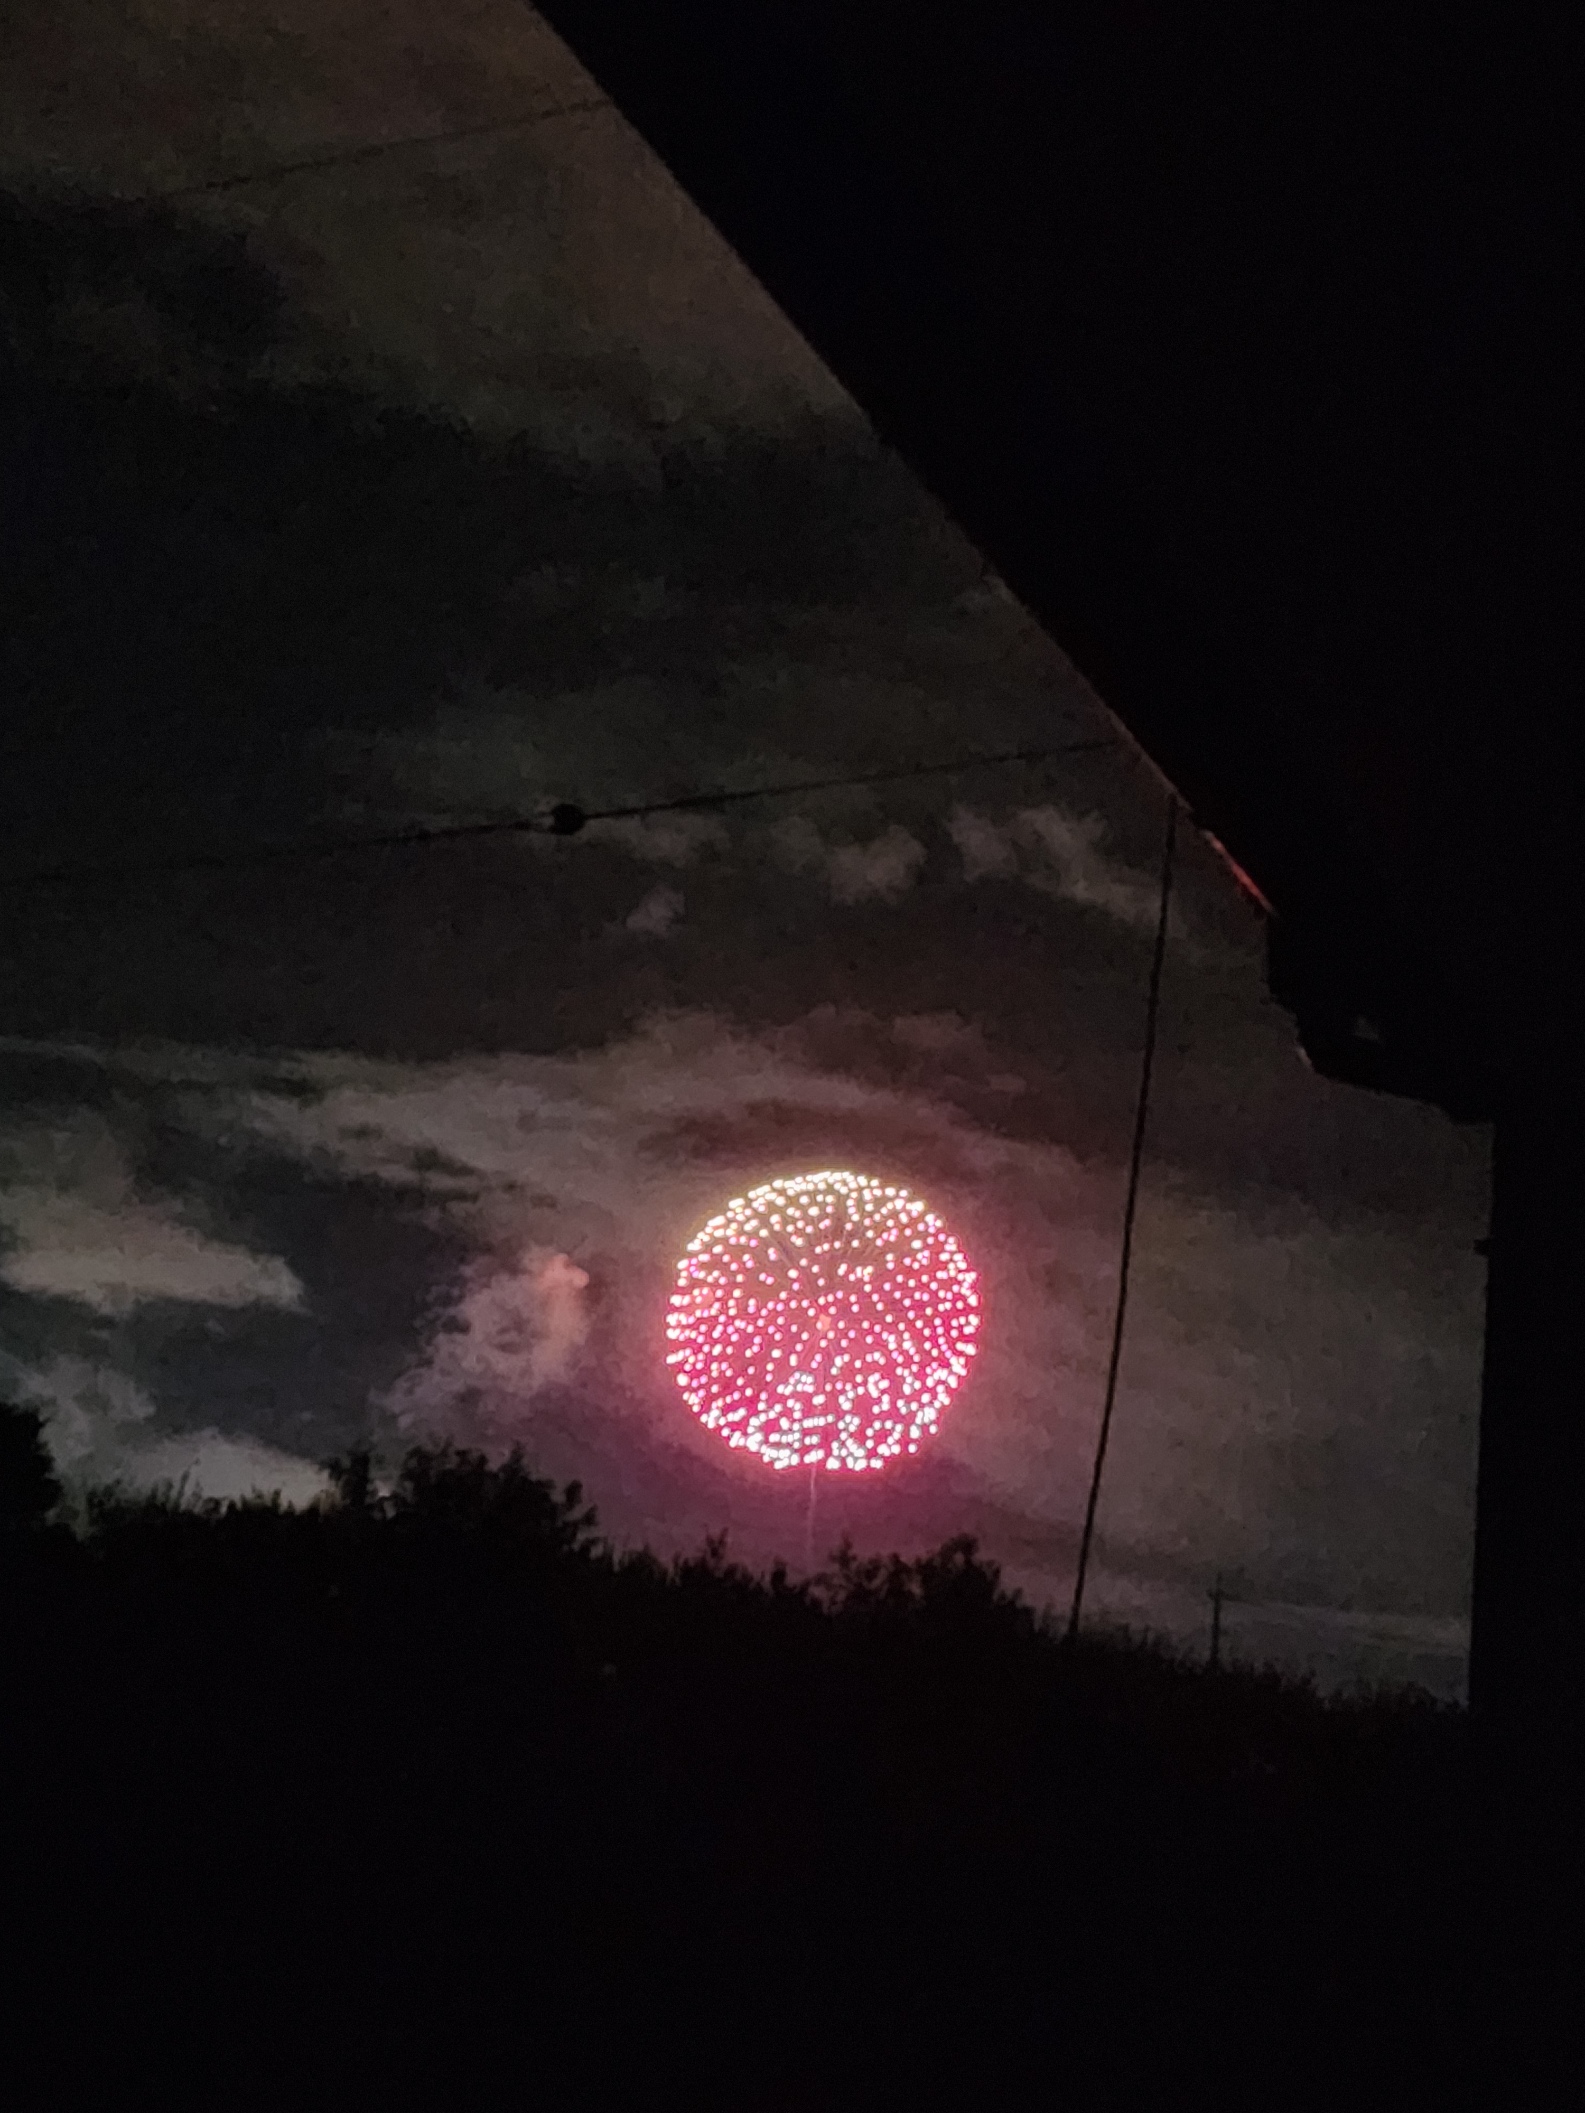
(824, 1320)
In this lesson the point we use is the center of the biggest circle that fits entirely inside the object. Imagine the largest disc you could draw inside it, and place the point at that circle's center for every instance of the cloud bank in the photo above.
(76, 1230)
(1297, 1398)
(102, 1431)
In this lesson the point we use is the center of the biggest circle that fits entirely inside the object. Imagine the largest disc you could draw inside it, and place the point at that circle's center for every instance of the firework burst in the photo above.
(824, 1320)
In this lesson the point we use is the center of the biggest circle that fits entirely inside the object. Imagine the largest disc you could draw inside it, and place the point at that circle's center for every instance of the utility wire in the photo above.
(564, 819)
(343, 157)
(1152, 1011)
(874, 777)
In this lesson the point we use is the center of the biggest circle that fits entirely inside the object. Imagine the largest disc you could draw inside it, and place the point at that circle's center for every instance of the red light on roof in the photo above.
(1241, 879)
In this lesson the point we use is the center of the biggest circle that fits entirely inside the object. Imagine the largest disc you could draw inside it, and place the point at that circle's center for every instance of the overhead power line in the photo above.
(370, 150)
(563, 819)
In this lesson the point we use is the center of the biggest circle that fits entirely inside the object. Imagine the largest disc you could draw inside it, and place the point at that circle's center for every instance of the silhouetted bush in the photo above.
(427, 1773)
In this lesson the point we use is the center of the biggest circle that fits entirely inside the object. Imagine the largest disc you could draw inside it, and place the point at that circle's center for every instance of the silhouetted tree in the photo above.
(29, 1489)
(352, 1479)
(452, 1489)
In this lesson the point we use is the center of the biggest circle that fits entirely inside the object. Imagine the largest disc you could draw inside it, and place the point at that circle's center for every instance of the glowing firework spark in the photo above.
(824, 1320)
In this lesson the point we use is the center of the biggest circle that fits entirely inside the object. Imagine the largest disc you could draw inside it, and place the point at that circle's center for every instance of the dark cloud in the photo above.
(300, 542)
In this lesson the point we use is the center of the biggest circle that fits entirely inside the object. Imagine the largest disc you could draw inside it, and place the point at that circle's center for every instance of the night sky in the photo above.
(521, 491)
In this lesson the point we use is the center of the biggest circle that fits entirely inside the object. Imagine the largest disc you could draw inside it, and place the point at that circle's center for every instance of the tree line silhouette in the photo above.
(426, 1785)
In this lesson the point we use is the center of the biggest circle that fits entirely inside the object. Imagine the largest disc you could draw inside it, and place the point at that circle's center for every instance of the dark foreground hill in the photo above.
(432, 1799)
